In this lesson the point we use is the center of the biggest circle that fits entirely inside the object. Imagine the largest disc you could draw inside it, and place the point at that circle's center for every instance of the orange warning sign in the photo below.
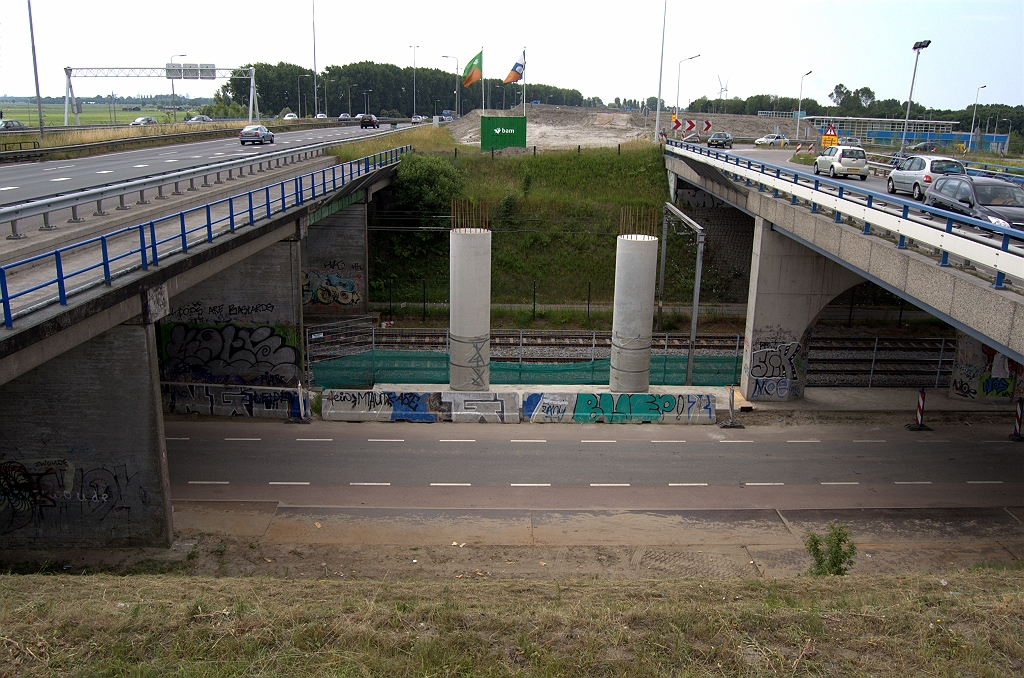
(829, 138)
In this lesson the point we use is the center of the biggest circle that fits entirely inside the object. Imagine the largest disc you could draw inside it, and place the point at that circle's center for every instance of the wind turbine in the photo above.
(723, 88)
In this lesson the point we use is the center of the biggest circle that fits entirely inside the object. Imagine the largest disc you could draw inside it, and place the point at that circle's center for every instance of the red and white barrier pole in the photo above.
(798, 147)
(1016, 437)
(919, 424)
(810, 149)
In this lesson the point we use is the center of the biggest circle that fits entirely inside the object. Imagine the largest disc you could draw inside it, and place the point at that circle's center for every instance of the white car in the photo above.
(843, 161)
(344, 116)
(916, 174)
(321, 116)
(772, 140)
(290, 116)
(416, 119)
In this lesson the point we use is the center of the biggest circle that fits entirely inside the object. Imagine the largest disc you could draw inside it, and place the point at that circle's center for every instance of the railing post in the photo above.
(944, 261)
(8, 318)
(177, 189)
(99, 209)
(252, 216)
(284, 202)
(142, 198)
(231, 214)
(142, 247)
(209, 224)
(61, 291)
(334, 178)
(268, 201)
(1000, 275)
(192, 185)
(75, 219)
(106, 260)
(121, 206)
(152, 237)
(184, 233)
(14, 231)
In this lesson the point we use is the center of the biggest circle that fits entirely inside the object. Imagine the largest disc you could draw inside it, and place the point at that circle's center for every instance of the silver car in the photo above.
(255, 134)
(843, 161)
(916, 174)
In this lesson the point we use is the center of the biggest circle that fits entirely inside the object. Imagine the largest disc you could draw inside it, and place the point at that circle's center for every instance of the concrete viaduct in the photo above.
(84, 386)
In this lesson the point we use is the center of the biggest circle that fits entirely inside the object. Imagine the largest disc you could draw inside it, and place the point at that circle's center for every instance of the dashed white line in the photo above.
(984, 482)
(451, 484)
(913, 482)
(249, 439)
(208, 482)
(7, 188)
(177, 439)
(668, 441)
(288, 482)
(763, 484)
(171, 160)
(527, 441)
(140, 165)
(530, 484)
(315, 440)
(867, 441)
(687, 484)
(609, 484)
(803, 441)
(455, 440)
(599, 441)
(372, 484)
(105, 172)
(735, 441)
(64, 166)
(385, 440)
(61, 179)
(842, 483)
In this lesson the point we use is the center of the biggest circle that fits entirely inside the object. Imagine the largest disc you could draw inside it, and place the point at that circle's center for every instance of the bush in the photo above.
(837, 556)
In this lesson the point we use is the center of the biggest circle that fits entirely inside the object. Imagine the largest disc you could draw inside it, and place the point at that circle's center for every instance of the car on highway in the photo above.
(199, 118)
(8, 125)
(416, 119)
(849, 141)
(344, 116)
(996, 201)
(924, 147)
(255, 134)
(368, 120)
(321, 116)
(915, 174)
(448, 118)
(143, 120)
(720, 140)
(290, 116)
(843, 161)
(772, 140)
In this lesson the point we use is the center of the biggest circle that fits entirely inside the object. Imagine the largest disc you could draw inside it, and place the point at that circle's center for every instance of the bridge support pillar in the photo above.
(83, 461)
(789, 286)
(469, 353)
(636, 263)
(982, 372)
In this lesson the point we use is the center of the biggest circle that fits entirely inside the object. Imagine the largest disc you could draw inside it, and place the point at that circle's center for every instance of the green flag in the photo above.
(474, 70)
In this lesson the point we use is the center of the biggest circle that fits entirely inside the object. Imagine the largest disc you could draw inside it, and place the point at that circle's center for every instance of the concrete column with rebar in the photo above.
(636, 263)
(470, 279)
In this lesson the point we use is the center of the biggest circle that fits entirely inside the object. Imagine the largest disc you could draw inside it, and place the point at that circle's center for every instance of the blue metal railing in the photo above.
(846, 191)
(257, 204)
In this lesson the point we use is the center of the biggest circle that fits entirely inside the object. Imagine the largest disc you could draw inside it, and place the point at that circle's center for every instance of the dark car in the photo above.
(720, 140)
(11, 125)
(368, 120)
(988, 199)
(924, 147)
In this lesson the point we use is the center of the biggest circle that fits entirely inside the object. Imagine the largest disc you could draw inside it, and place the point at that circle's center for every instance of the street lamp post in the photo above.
(413, 78)
(327, 106)
(502, 88)
(174, 106)
(679, 72)
(799, 103)
(366, 100)
(354, 84)
(918, 46)
(457, 111)
(35, 68)
(316, 97)
(973, 115)
(996, 132)
(298, 89)
(661, 68)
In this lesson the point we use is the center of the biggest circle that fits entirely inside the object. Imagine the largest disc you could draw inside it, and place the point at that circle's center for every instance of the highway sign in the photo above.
(707, 125)
(690, 124)
(677, 123)
(829, 138)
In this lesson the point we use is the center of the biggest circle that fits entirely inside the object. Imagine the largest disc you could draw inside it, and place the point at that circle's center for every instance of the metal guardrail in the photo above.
(242, 210)
(44, 206)
(859, 203)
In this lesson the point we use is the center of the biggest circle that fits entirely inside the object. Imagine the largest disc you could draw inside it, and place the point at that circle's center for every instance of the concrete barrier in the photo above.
(234, 401)
(430, 406)
(616, 408)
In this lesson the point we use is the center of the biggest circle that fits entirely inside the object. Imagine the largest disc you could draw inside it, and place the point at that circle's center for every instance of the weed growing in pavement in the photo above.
(836, 557)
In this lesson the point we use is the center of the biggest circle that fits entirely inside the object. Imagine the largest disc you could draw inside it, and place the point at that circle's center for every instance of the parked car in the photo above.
(144, 120)
(416, 119)
(368, 120)
(924, 147)
(986, 198)
(842, 161)
(720, 140)
(916, 173)
(849, 141)
(344, 116)
(200, 118)
(11, 125)
(255, 133)
(772, 140)
(290, 116)
(321, 116)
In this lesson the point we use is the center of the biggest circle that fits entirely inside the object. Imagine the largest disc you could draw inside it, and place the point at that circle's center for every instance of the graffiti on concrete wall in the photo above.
(698, 198)
(494, 408)
(615, 408)
(329, 288)
(230, 354)
(233, 401)
(59, 495)
(778, 365)
(980, 371)
(338, 405)
(214, 314)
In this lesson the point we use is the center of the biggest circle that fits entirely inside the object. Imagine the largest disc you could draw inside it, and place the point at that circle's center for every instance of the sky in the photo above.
(601, 48)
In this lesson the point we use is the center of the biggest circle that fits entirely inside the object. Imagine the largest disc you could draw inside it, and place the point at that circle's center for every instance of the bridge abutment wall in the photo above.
(334, 265)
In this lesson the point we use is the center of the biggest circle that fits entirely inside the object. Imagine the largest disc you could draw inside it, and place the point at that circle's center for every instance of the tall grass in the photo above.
(424, 139)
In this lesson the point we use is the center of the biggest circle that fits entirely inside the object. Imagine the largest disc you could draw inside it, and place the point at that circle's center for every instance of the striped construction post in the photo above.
(810, 149)
(798, 147)
(1016, 437)
(919, 424)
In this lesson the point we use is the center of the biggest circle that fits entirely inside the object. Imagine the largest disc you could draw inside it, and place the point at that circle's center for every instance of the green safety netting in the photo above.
(429, 367)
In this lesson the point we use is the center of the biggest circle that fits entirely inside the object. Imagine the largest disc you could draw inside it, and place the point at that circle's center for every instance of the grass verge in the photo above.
(969, 623)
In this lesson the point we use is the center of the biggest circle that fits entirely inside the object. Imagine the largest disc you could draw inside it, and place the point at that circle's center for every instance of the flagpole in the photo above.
(483, 84)
(524, 81)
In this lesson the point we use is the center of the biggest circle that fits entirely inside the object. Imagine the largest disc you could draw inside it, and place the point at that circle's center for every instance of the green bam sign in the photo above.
(496, 133)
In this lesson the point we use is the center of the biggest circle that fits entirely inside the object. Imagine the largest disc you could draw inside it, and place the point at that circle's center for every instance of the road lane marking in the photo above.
(842, 483)
(177, 439)
(372, 484)
(868, 441)
(803, 441)
(984, 482)
(527, 441)
(64, 166)
(913, 482)
(49, 169)
(455, 440)
(167, 153)
(451, 484)
(668, 441)
(687, 484)
(315, 440)
(61, 179)
(207, 482)
(735, 441)
(243, 439)
(763, 484)
(140, 165)
(598, 441)
(288, 482)
(609, 484)
(105, 172)
(530, 484)
(7, 188)
(385, 440)
(171, 160)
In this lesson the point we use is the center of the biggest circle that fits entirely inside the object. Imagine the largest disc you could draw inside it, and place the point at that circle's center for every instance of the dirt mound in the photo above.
(561, 127)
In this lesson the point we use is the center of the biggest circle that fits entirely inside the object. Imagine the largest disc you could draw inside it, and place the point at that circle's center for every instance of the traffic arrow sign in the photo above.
(690, 124)
(676, 124)
(707, 125)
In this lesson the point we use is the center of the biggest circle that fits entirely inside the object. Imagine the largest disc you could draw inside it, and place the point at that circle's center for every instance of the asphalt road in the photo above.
(535, 466)
(781, 156)
(26, 181)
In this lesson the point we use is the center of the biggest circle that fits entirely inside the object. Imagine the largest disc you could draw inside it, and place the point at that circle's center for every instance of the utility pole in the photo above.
(354, 84)
(457, 111)
(973, 115)
(661, 68)
(918, 46)
(414, 78)
(35, 68)
(316, 98)
(799, 102)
